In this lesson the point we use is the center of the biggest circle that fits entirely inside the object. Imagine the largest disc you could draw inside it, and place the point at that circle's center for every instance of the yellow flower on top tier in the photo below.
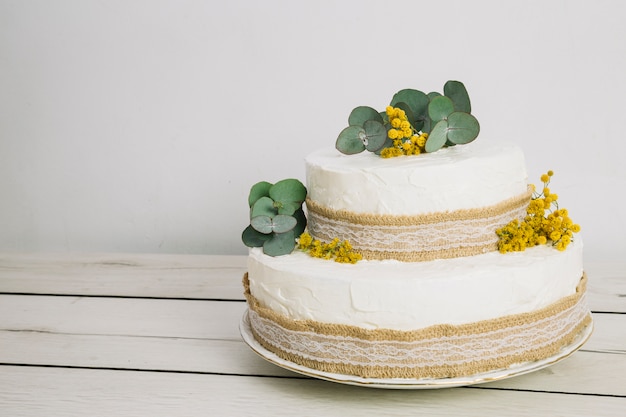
(405, 140)
(445, 117)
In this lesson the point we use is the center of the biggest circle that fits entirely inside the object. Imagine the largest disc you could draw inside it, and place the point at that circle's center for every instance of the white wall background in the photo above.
(140, 125)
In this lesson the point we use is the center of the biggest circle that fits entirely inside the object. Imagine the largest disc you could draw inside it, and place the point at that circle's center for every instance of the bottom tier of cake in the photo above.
(450, 318)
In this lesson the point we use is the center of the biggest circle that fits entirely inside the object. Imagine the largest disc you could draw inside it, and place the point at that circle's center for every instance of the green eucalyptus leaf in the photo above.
(361, 114)
(388, 144)
(350, 140)
(462, 128)
(417, 103)
(253, 238)
(458, 94)
(439, 108)
(262, 224)
(376, 134)
(409, 114)
(264, 206)
(415, 99)
(283, 223)
(301, 222)
(433, 94)
(280, 244)
(289, 207)
(288, 190)
(258, 190)
(437, 137)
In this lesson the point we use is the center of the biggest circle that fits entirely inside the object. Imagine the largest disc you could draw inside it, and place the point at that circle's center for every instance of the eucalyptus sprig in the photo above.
(444, 119)
(276, 216)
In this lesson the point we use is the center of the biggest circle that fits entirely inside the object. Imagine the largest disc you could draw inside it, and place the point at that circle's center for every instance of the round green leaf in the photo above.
(440, 108)
(264, 206)
(258, 190)
(280, 244)
(462, 128)
(253, 238)
(387, 144)
(262, 224)
(350, 140)
(283, 223)
(426, 125)
(433, 94)
(407, 110)
(437, 137)
(361, 114)
(458, 94)
(376, 134)
(417, 103)
(301, 222)
(415, 99)
(288, 190)
(288, 207)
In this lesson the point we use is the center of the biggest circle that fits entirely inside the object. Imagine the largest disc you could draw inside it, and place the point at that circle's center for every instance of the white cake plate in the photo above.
(424, 383)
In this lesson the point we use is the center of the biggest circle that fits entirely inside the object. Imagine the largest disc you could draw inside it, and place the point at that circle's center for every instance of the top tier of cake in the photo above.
(477, 175)
(445, 204)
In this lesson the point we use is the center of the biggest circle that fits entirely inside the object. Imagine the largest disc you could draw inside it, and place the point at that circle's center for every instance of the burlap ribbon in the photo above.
(419, 237)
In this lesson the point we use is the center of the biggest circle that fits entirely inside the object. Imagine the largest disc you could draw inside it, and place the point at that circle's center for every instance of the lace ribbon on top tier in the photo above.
(420, 237)
(440, 351)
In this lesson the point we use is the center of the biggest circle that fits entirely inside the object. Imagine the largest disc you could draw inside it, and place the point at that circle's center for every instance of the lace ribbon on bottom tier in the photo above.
(441, 351)
(417, 237)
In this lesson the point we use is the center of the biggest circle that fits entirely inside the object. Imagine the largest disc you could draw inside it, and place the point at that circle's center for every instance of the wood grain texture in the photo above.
(585, 372)
(136, 275)
(122, 316)
(27, 391)
(607, 286)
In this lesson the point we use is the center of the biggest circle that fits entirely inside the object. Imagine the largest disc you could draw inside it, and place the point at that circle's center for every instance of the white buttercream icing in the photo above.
(478, 174)
(405, 296)
(411, 295)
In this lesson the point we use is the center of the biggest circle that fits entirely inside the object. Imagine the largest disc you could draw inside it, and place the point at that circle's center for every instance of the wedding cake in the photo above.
(449, 263)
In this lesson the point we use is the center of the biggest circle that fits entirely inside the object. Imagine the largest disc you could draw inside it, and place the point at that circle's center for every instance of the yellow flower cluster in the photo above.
(544, 222)
(405, 140)
(400, 126)
(341, 251)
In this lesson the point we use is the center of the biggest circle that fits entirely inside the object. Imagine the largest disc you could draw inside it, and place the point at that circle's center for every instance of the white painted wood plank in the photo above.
(122, 316)
(232, 357)
(609, 333)
(62, 392)
(583, 372)
(607, 286)
(140, 275)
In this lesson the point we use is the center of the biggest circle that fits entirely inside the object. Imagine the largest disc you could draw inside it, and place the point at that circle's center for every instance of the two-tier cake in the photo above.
(464, 267)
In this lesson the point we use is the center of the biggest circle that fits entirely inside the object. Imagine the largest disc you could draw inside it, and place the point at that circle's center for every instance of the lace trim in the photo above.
(420, 237)
(437, 351)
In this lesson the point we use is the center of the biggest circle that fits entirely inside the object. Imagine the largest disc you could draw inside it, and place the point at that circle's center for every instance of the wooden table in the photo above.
(158, 335)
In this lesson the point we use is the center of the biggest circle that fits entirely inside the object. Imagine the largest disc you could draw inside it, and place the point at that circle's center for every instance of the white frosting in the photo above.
(405, 296)
(411, 295)
(478, 174)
